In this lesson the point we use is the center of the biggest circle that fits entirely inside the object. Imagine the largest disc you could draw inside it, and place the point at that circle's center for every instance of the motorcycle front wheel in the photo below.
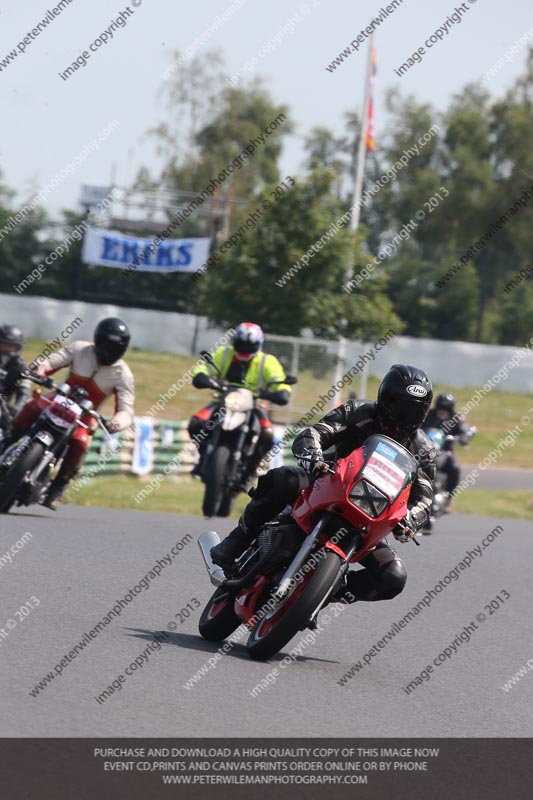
(215, 481)
(275, 629)
(226, 504)
(15, 475)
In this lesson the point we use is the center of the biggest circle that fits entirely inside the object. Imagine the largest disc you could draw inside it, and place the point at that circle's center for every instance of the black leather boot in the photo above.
(58, 486)
(235, 543)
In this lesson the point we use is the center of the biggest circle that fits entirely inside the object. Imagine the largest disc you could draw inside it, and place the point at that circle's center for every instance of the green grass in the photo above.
(184, 496)
(174, 496)
(517, 504)
(497, 413)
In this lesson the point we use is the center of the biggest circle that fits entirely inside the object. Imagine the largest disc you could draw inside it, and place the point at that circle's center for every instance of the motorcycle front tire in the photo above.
(268, 637)
(215, 480)
(15, 475)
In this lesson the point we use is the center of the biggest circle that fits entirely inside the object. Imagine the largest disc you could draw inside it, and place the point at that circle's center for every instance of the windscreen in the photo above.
(388, 465)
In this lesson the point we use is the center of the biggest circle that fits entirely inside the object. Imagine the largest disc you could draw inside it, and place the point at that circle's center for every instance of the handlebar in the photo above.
(101, 423)
(222, 386)
(321, 466)
(412, 535)
(48, 383)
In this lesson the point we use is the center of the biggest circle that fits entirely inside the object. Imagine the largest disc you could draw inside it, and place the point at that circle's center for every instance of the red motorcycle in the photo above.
(299, 559)
(28, 466)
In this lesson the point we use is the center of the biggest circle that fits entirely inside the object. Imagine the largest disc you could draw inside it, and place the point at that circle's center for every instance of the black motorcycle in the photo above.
(233, 432)
(444, 445)
(6, 414)
(28, 466)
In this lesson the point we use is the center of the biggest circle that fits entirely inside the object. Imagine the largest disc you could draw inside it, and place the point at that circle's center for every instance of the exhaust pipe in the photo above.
(206, 541)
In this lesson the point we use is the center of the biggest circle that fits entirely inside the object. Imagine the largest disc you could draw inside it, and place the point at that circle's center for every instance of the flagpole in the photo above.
(361, 155)
(360, 173)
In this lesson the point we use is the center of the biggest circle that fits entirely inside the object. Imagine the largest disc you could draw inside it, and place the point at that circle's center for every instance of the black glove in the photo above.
(405, 530)
(265, 394)
(310, 460)
(280, 397)
(203, 381)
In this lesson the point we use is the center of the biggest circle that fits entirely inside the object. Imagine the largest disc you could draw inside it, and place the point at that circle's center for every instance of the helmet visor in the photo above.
(109, 351)
(9, 347)
(245, 347)
(407, 415)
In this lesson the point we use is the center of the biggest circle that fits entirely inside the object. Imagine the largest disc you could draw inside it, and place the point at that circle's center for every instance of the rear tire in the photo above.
(267, 639)
(215, 480)
(15, 475)
(217, 623)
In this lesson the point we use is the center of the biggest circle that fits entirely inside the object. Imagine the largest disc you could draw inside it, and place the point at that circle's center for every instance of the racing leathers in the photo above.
(100, 381)
(13, 386)
(457, 427)
(344, 429)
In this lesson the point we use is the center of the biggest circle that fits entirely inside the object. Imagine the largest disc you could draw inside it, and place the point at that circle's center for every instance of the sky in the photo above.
(47, 121)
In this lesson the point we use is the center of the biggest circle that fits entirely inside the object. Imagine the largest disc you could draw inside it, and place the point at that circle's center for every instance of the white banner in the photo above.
(114, 249)
(143, 448)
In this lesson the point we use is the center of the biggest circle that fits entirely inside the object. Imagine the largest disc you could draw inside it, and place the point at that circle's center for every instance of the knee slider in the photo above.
(281, 483)
(392, 579)
(287, 483)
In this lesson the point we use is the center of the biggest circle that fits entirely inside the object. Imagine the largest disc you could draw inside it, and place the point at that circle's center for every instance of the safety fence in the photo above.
(317, 361)
(167, 450)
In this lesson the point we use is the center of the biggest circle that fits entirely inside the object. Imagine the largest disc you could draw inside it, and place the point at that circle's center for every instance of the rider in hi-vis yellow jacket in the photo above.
(243, 364)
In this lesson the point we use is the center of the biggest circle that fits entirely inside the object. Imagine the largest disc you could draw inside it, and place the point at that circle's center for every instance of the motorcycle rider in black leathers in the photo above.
(452, 423)
(14, 388)
(404, 397)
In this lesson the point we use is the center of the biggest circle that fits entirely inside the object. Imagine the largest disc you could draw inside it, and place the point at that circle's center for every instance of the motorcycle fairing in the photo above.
(381, 462)
(237, 404)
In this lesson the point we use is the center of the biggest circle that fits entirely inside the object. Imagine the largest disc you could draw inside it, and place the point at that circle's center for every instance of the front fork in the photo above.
(48, 460)
(239, 462)
(51, 458)
(210, 448)
(301, 557)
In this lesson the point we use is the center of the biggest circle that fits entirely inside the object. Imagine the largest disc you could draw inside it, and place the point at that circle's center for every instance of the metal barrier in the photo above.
(170, 440)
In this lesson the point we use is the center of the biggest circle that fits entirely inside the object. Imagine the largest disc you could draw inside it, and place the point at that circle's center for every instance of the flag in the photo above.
(369, 135)
(370, 138)
(366, 135)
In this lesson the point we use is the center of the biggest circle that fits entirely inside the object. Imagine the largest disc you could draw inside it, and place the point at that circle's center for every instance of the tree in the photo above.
(23, 242)
(248, 282)
(482, 157)
(219, 121)
(325, 151)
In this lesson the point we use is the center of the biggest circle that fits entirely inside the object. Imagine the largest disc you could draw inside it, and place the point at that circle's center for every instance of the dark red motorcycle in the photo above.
(28, 466)
(299, 559)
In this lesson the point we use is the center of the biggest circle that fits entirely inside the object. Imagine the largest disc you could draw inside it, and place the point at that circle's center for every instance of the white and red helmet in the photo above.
(247, 341)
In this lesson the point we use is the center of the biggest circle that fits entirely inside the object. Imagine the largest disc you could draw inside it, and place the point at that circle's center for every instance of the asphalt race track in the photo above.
(80, 561)
(507, 478)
